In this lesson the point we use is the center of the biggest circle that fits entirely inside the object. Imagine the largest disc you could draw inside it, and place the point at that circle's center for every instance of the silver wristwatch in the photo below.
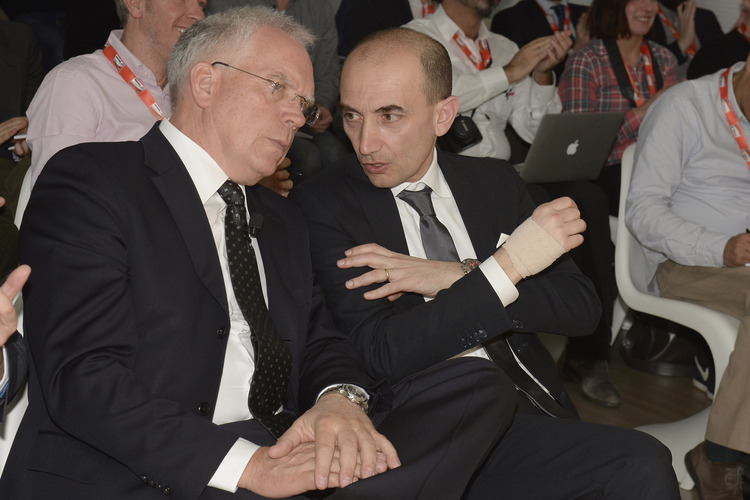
(352, 393)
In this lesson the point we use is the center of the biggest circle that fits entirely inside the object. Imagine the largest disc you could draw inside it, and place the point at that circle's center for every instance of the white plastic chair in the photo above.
(719, 329)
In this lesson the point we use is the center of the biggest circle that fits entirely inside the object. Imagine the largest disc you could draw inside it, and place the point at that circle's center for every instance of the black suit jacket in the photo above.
(721, 53)
(401, 337)
(707, 29)
(127, 322)
(525, 22)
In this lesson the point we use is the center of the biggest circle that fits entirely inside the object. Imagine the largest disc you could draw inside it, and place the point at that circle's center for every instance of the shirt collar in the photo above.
(206, 174)
(432, 178)
(732, 98)
(448, 28)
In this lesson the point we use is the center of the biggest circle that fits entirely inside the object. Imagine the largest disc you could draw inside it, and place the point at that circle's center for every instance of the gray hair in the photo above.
(224, 33)
(122, 12)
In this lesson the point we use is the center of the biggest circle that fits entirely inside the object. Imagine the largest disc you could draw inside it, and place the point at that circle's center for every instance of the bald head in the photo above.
(379, 49)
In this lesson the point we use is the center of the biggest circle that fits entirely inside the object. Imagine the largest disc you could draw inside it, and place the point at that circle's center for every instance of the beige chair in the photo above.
(719, 330)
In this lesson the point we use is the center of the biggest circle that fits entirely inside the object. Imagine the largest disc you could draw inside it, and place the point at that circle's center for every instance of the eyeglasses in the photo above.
(309, 109)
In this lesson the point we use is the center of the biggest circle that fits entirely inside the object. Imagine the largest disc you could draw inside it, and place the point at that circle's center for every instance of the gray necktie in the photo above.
(273, 361)
(437, 241)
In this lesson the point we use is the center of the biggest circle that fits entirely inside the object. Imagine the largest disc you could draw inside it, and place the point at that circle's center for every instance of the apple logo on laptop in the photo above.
(572, 148)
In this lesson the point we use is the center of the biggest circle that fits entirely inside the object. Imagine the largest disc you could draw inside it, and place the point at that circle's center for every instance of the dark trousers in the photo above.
(594, 257)
(541, 457)
(444, 421)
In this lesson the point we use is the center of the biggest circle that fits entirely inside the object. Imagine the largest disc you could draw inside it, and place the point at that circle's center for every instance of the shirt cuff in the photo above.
(227, 476)
(503, 286)
(4, 381)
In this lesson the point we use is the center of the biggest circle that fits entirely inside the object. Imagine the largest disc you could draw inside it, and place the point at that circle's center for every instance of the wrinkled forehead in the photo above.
(276, 54)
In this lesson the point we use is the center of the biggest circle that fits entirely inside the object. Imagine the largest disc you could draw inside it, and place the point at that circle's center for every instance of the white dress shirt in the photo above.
(496, 101)
(447, 212)
(231, 403)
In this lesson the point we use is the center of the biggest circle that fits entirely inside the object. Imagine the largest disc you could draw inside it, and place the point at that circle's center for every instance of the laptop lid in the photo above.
(570, 147)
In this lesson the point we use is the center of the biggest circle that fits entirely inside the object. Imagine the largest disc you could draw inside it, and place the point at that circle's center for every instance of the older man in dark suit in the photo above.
(159, 310)
(426, 228)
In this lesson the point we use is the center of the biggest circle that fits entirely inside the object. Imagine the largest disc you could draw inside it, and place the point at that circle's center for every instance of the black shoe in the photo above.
(596, 384)
(704, 377)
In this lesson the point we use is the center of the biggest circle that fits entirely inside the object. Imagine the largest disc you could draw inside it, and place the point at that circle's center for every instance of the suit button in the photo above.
(144, 478)
(167, 490)
(152, 483)
(517, 324)
(221, 333)
(204, 409)
(463, 344)
(482, 335)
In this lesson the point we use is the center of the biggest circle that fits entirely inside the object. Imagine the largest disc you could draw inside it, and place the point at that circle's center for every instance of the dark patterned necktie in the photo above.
(273, 361)
(436, 240)
(559, 10)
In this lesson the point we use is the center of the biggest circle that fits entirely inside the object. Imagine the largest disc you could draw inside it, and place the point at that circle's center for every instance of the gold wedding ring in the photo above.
(387, 274)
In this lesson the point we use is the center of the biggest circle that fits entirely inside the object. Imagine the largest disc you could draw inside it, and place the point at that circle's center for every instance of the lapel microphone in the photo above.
(255, 224)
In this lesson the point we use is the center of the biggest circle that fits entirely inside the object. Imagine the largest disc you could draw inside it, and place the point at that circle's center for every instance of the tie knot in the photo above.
(232, 194)
(419, 200)
(559, 10)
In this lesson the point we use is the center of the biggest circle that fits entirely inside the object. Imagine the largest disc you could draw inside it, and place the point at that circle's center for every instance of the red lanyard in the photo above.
(745, 32)
(428, 7)
(675, 33)
(650, 79)
(734, 122)
(484, 50)
(555, 27)
(127, 74)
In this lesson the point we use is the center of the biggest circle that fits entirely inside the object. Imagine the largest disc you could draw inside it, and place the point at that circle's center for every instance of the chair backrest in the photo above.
(630, 261)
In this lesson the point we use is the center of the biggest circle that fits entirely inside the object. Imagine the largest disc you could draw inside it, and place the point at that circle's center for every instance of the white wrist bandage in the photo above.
(532, 249)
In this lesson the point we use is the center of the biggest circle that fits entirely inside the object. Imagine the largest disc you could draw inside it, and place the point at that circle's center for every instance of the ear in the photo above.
(203, 80)
(136, 8)
(446, 111)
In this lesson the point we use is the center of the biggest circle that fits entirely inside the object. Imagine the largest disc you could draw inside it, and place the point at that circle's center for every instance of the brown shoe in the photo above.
(714, 480)
(596, 384)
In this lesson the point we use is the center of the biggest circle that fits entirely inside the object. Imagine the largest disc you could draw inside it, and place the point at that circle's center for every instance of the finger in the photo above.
(288, 441)
(561, 203)
(366, 279)
(368, 455)
(325, 440)
(386, 290)
(348, 454)
(15, 281)
(389, 452)
(367, 248)
(284, 163)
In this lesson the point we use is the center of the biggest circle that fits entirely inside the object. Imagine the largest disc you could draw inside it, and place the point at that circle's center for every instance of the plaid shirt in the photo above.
(589, 84)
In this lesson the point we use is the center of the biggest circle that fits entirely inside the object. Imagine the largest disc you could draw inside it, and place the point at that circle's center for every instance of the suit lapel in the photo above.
(176, 187)
(481, 221)
(379, 209)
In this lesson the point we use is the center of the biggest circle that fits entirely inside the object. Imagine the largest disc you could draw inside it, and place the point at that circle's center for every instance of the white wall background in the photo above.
(726, 10)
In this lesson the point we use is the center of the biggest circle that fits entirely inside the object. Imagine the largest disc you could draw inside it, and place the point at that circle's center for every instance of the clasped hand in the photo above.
(332, 445)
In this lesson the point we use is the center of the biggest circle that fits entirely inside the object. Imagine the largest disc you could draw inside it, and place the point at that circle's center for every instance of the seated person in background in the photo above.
(618, 70)
(497, 83)
(689, 206)
(501, 93)
(356, 19)
(22, 73)
(531, 19)
(684, 29)
(375, 218)
(87, 99)
(726, 50)
(160, 318)
(315, 146)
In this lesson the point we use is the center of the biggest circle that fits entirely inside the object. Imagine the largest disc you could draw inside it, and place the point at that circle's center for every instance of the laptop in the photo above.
(570, 147)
